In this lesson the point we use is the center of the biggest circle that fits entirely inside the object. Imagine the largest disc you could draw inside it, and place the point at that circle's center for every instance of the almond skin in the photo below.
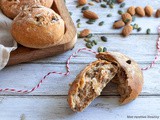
(120, 1)
(127, 18)
(127, 30)
(97, 1)
(84, 33)
(91, 3)
(131, 10)
(118, 24)
(140, 11)
(148, 11)
(82, 2)
(158, 13)
(90, 15)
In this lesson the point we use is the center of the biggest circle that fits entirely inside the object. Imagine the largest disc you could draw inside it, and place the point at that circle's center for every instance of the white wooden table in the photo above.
(50, 101)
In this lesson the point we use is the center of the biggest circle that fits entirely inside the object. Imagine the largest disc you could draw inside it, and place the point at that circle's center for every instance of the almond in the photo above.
(120, 1)
(91, 3)
(131, 10)
(90, 15)
(97, 1)
(82, 2)
(140, 11)
(127, 18)
(84, 33)
(118, 24)
(127, 30)
(148, 11)
(158, 13)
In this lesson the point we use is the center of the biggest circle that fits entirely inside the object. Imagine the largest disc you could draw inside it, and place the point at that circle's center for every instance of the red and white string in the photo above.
(157, 54)
(68, 69)
(54, 72)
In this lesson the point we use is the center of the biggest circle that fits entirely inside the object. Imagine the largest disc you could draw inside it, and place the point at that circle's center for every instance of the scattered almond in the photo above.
(120, 1)
(140, 11)
(158, 13)
(84, 33)
(90, 15)
(118, 24)
(127, 30)
(91, 3)
(127, 18)
(82, 2)
(131, 10)
(148, 10)
(97, 1)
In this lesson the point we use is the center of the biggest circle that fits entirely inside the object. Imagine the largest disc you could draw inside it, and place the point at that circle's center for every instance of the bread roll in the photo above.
(129, 77)
(89, 84)
(38, 27)
(118, 68)
(11, 8)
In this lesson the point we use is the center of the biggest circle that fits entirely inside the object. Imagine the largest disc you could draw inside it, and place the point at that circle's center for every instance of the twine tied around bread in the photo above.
(68, 68)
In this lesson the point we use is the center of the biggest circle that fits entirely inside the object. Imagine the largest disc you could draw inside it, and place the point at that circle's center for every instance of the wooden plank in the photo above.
(56, 108)
(48, 102)
(26, 76)
(23, 54)
(142, 48)
(144, 22)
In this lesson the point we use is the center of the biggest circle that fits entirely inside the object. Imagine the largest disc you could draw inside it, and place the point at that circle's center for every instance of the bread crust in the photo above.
(11, 8)
(134, 73)
(38, 27)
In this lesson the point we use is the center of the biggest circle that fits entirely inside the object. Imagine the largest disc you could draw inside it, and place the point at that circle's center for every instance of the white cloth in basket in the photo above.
(7, 43)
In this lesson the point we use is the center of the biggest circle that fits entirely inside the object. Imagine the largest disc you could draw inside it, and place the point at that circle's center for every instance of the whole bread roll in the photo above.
(110, 66)
(38, 27)
(11, 8)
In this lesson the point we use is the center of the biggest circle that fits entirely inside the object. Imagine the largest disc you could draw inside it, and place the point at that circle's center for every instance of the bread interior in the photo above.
(123, 89)
(121, 79)
(93, 82)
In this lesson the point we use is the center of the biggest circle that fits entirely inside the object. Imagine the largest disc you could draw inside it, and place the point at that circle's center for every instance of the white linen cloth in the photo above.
(7, 43)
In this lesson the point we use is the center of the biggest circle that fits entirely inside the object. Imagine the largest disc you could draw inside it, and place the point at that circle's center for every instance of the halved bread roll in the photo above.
(117, 68)
(129, 77)
(89, 83)
(11, 8)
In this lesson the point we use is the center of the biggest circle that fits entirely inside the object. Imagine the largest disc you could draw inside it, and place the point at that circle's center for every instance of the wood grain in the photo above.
(26, 76)
(49, 102)
(56, 108)
(23, 54)
(141, 48)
